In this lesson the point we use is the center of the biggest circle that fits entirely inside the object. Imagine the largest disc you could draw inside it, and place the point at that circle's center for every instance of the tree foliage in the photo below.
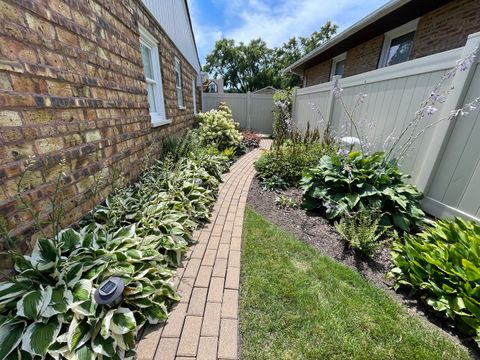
(252, 66)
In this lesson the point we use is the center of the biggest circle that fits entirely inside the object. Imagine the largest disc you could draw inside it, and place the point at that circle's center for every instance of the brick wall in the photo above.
(318, 74)
(72, 87)
(446, 28)
(363, 57)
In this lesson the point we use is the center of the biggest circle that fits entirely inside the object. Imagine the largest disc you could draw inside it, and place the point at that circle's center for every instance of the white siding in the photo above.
(172, 16)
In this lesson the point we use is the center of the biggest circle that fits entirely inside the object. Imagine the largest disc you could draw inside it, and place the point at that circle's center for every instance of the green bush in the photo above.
(362, 231)
(442, 263)
(47, 309)
(343, 184)
(217, 127)
(283, 167)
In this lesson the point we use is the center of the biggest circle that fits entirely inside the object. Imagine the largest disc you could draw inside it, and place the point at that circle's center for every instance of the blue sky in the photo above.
(275, 21)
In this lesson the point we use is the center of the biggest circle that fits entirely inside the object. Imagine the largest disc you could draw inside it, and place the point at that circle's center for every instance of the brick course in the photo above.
(72, 87)
(318, 74)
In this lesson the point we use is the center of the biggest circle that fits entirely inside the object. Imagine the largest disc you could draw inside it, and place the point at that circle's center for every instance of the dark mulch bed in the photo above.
(314, 229)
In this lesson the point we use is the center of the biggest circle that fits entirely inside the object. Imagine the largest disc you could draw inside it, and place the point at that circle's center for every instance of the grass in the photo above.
(298, 304)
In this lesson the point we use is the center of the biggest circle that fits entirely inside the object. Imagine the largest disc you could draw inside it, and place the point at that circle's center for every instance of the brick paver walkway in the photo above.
(204, 324)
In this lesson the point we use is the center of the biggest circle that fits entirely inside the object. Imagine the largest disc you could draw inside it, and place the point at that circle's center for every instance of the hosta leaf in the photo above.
(73, 274)
(103, 346)
(78, 333)
(11, 289)
(82, 290)
(44, 255)
(156, 313)
(123, 321)
(69, 239)
(84, 353)
(39, 336)
(34, 303)
(10, 336)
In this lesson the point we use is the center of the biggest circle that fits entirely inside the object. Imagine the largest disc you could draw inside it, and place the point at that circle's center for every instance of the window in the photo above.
(398, 43)
(212, 87)
(153, 78)
(178, 83)
(194, 96)
(338, 65)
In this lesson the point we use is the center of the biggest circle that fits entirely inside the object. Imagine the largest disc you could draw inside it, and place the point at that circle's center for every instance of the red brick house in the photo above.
(399, 31)
(93, 84)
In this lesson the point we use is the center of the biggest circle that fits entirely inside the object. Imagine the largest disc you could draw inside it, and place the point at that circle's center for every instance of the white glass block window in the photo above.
(194, 96)
(178, 83)
(153, 77)
(398, 44)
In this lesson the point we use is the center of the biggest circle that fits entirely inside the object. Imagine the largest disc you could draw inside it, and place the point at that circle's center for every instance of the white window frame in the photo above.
(393, 34)
(158, 118)
(335, 60)
(194, 96)
(179, 86)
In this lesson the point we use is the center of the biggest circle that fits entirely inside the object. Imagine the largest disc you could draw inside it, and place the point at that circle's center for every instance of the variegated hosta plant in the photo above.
(47, 310)
(49, 306)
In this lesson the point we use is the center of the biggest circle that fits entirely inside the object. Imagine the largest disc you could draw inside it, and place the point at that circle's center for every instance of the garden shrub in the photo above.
(283, 167)
(442, 263)
(217, 128)
(362, 231)
(250, 139)
(343, 184)
(282, 115)
(48, 310)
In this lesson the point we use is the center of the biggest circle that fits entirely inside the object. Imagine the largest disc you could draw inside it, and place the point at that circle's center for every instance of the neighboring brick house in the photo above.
(96, 84)
(399, 31)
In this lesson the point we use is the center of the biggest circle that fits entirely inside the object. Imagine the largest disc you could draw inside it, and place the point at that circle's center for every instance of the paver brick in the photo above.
(190, 336)
(167, 349)
(215, 291)
(197, 301)
(207, 348)
(192, 268)
(203, 277)
(185, 289)
(234, 258)
(211, 319)
(220, 268)
(199, 251)
(230, 304)
(213, 243)
(223, 251)
(174, 325)
(227, 344)
(233, 278)
(209, 257)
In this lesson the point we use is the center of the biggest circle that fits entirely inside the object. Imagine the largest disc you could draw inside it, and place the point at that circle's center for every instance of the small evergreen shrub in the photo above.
(342, 184)
(442, 264)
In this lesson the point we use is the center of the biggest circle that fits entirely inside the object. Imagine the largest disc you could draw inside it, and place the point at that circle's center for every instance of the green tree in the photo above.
(252, 66)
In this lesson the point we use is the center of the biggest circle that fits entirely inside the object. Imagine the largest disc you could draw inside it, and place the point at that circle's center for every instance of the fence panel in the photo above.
(252, 111)
(444, 160)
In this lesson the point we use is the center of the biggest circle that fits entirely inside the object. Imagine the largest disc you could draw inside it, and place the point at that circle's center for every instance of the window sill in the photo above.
(182, 107)
(161, 123)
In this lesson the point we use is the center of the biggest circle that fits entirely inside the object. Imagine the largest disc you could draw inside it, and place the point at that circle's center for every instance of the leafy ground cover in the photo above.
(298, 304)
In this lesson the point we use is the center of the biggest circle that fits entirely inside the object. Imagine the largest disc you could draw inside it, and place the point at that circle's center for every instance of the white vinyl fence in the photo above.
(252, 111)
(445, 160)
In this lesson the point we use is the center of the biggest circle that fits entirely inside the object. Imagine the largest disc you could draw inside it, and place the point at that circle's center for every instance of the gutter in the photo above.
(367, 20)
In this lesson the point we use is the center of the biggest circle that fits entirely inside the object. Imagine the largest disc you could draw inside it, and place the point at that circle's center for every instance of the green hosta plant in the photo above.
(442, 263)
(218, 128)
(342, 184)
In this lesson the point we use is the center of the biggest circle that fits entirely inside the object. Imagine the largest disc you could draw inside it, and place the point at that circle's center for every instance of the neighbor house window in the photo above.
(153, 77)
(178, 83)
(338, 65)
(398, 44)
(212, 87)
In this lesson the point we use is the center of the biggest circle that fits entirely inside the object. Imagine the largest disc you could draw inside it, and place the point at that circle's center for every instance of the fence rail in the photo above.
(252, 111)
(445, 160)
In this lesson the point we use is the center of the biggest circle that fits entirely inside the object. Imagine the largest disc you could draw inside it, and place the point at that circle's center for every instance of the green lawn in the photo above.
(297, 304)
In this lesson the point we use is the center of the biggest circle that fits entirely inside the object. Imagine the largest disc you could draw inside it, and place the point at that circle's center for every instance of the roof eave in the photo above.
(367, 20)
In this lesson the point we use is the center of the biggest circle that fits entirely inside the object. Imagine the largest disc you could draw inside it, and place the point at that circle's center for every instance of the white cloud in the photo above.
(275, 21)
